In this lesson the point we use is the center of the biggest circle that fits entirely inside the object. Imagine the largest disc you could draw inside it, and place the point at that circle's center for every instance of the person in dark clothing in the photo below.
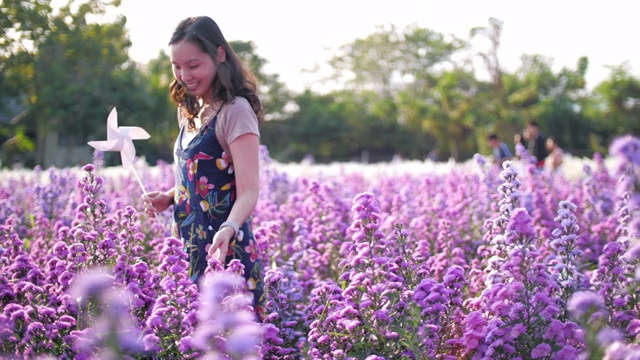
(535, 142)
(501, 151)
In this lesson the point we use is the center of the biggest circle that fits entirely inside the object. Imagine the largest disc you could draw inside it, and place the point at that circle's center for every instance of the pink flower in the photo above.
(253, 252)
(225, 162)
(203, 187)
(192, 167)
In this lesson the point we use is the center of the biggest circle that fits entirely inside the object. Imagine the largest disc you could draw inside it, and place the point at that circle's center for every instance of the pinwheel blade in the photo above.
(120, 139)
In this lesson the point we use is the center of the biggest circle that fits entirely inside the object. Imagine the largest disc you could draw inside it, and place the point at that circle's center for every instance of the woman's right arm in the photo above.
(159, 201)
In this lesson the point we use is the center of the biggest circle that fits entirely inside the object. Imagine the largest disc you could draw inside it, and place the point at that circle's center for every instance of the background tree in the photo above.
(404, 91)
(151, 107)
(450, 114)
(22, 24)
(75, 72)
(552, 99)
(410, 78)
(68, 71)
(320, 128)
(80, 74)
(334, 127)
(397, 70)
(494, 114)
(274, 95)
(614, 108)
(14, 145)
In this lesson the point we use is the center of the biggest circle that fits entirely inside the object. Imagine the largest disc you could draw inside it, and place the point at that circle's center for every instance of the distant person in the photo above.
(308, 159)
(517, 139)
(501, 152)
(535, 142)
(556, 154)
(17, 162)
(433, 155)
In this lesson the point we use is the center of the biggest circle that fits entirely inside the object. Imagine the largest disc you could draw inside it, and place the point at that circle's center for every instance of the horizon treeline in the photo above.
(410, 92)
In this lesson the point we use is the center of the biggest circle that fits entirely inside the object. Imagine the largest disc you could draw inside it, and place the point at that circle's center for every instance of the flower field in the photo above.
(410, 260)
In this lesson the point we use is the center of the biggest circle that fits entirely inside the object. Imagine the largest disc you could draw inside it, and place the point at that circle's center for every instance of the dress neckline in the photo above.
(203, 126)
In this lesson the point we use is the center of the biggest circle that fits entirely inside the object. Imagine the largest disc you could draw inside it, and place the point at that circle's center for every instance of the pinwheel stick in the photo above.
(135, 173)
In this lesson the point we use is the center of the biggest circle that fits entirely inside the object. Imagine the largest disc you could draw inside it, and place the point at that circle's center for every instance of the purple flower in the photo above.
(541, 350)
(633, 329)
(244, 339)
(582, 303)
(567, 352)
(479, 159)
(620, 350)
(214, 287)
(608, 336)
(66, 322)
(82, 340)
(520, 223)
(90, 283)
(151, 343)
(626, 146)
(633, 253)
(185, 344)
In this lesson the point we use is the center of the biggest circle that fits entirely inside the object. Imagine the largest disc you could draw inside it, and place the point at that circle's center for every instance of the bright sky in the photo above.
(296, 35)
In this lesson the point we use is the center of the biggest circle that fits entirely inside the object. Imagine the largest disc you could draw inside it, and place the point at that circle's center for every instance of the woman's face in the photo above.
(550, 144)
(193, 68)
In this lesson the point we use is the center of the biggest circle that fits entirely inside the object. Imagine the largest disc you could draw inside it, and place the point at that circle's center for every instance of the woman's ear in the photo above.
(221, 55)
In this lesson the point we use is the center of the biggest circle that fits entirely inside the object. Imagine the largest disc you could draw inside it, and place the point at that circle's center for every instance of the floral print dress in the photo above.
(205, 193)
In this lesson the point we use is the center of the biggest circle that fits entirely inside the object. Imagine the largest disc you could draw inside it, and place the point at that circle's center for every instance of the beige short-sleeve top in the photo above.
(234, 119)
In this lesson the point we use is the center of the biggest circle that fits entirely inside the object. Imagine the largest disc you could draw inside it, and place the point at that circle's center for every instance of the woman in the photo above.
(216, 153)
(556, 154)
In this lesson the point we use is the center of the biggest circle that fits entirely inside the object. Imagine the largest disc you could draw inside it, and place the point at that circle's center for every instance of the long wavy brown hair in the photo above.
(232, 77)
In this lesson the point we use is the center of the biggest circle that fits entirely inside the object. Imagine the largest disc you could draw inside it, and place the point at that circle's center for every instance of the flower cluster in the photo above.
(424, 262)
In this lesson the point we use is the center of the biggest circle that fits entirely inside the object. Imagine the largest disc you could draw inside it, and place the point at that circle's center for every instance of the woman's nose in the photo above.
(184, 75)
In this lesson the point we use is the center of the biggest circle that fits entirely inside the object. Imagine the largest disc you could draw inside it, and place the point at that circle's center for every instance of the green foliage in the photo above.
(621, 97)
(405, 92)
(273, 94)
(14, 147)
(67, 69)
(151, 108)
(335, 127)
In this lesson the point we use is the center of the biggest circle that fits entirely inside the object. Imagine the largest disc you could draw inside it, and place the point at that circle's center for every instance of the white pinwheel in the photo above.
(120, 138)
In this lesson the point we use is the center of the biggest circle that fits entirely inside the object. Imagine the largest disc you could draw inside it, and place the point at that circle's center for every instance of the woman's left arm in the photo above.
(244, 153)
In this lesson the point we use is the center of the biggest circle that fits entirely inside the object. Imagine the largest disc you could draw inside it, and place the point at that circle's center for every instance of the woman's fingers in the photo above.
(147, 198)
(149, 206)
(215, 247)
(222, 252)
(219, 247)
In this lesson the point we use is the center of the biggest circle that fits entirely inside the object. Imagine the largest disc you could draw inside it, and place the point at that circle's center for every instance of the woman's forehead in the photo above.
(185, 51)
